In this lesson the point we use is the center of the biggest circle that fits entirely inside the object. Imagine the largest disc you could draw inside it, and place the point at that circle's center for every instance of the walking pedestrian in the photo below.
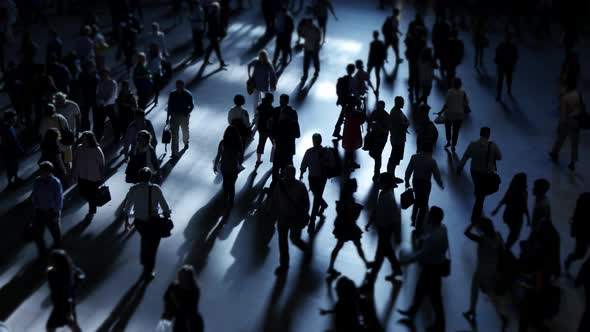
(284, 26)
(571, 106)
(180, 106)
(10, 148)
(70, 111)
(263, 119)
(377, 59)
(483, 154)
(345, 93)
(52, 151)
(142, 156)
(516, 201)
(398, 129)
(391, 33)
(181, 301)
(126, 107)
(506, 58)
(47, 199)
(377, 134)
(426, 66)
(312, 160)
(263, 76)
(229, 158)
(580, 229)
(89, 170)
(311, 49)
(285, 131)
(456, 105)
(143, 81)
(106, 96)
(63, 278)
(140, 123)
(215, 33)
(239, 118)
(197, 20)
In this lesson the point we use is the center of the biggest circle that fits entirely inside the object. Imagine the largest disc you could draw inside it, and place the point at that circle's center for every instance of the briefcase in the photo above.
(103, 196)
(166, 135)
(407, 198)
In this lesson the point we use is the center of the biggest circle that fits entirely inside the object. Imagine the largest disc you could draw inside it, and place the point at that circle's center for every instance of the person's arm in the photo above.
(526, 208)
(164, 45)
(304, 164)
(471, 235)
(101, 163)
(217, 157)
(78, 118)
(169, 107)
(191, 104)
(162, 201)
(152, 132)
(246, 119)
(273, 78)
(464, 159)
(502, 202)
(331, 8)
(498, 152)
(59, 196)
(250, 66)
(305, 198)
(128, 205)
(409, 171)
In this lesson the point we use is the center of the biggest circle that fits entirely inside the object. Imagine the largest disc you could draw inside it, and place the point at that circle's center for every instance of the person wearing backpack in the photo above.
(391, 33)
(580, 229)
(344, 90)
(312, 160)
(571, 108)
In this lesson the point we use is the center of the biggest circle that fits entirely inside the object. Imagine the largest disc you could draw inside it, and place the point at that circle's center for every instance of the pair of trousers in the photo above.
(11, 162)
(198, 41)
(49, 219)
(452, 128)
(286, 231)
(309, 56)
(514, 226)
(282, 49)
(262, 138)
(148, 251)
(422, 190)
(229, 185)
(385, 249)
(179, 122)
(504, 74)
(100, 114)
(430, 285)
(477, 178)
(213, 46)
(339, 122)
(88, 190)
(564, 131)
(317, 184)
(85, 117)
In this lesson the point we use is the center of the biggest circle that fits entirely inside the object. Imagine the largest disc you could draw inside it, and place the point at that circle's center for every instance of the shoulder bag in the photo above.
(160, 226)
(491, 181)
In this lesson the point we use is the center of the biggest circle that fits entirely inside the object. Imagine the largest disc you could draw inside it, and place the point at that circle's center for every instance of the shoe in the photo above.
(469, 316)
(554, 157)
(332, 273)
(571, 166)
(448, 145)
(222, 65)
(409, 313)
(148, 276)
(398, 180)
(323, 208)
(258, 163)
(281, 270)
(186, 146)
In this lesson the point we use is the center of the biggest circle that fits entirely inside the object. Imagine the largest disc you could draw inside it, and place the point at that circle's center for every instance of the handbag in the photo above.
(250, 86)
(440, 119)
(369, 141)
(407, 198)
(66, 136)
(491, 181)
(166, 135)
(162, 226)
(103, 196)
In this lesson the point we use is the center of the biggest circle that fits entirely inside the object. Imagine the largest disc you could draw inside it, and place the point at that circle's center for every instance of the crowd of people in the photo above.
(61, 106)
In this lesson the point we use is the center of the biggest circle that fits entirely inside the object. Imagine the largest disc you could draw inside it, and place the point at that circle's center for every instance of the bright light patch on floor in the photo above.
(325, 90)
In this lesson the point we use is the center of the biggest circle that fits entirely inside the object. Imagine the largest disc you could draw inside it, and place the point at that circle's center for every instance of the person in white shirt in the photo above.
(144, 199)
(51, 119)
(483, 154)
(239, 117)
(69, 110)
(88, 168)
(571, 106)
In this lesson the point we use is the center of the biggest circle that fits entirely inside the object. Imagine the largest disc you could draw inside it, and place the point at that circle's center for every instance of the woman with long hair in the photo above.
(88, 169)
(181, 302)
(63, 276)
(143, 155)
(51, 151)
(230, 154)
(516, 201)
(262, 76)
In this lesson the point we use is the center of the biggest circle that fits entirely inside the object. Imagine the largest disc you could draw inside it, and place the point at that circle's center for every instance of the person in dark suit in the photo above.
(215, 33)
(283, 26)
(344, 89)
(506, 58)
(10, 148)
(580, 229)
(377, 58)
(181, 302)
(285, 131)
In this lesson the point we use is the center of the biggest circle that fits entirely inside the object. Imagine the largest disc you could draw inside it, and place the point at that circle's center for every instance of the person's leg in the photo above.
(339, 122)
(456, 128)
(262, 137)
(575, 143)
(385, 235)
(314, 183)
(361, 252)
(99, 117)
(151, 251)
(420, 293)
(306, 60)
(396, 50)
(378, 70)
(277, 52)
(334, 254)
(283, 236)
(185, 127)
(579, 252)
(473, 296)
(378, 162)
(515, 227)
(175, 131)
(500, 80)
(111, 113)
(316, 62)
(38, 229)
(479, 196)
(436, 300)
(448, 127)
(509, 81)
(562, 134)
(217, 50)
(295, 236)
(425, 188)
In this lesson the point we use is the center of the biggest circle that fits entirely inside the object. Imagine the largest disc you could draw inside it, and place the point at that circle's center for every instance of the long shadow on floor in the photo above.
(124, 310)
(20, 287)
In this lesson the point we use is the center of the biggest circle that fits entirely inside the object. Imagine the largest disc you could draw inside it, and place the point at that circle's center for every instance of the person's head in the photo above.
(49, 110)
(541, 187)
(571, 83)
(396, 11)
(124, 86)
(105, 74)
(289, 172)
(155, 27)
(507, 34)
(359, 64)
(60, 99)
(346, 289)
(141, 58)
(418, 18)
(485, 132)
(139, 116)
(381, 105)
(52, 58)
(457, 83)
(60, 262)
(268, 98)
(88, 139)
(284, 100)
(179, 84)
(375, 34)
(86, 31)
(350, 68)
(486, 226)
(9, 117)
(144, 175)
(231, 136)
(263, 56)
(45, 169)
(398, 102)
(51, 138)
(518, 183)
(386, 181)
(317, 139)
(239, 100)
(144, 138)
(186, 277)
(436, 215)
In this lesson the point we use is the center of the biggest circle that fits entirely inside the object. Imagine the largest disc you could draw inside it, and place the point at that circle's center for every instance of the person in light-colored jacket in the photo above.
(88, 169)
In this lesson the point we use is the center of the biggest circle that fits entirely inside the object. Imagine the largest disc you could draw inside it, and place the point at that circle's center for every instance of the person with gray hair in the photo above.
(69, 110)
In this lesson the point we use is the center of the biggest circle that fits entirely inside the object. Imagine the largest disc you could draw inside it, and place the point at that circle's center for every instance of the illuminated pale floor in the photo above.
(238, 288)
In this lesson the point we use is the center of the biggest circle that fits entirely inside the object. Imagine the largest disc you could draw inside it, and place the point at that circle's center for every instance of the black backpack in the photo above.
(331, 163)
